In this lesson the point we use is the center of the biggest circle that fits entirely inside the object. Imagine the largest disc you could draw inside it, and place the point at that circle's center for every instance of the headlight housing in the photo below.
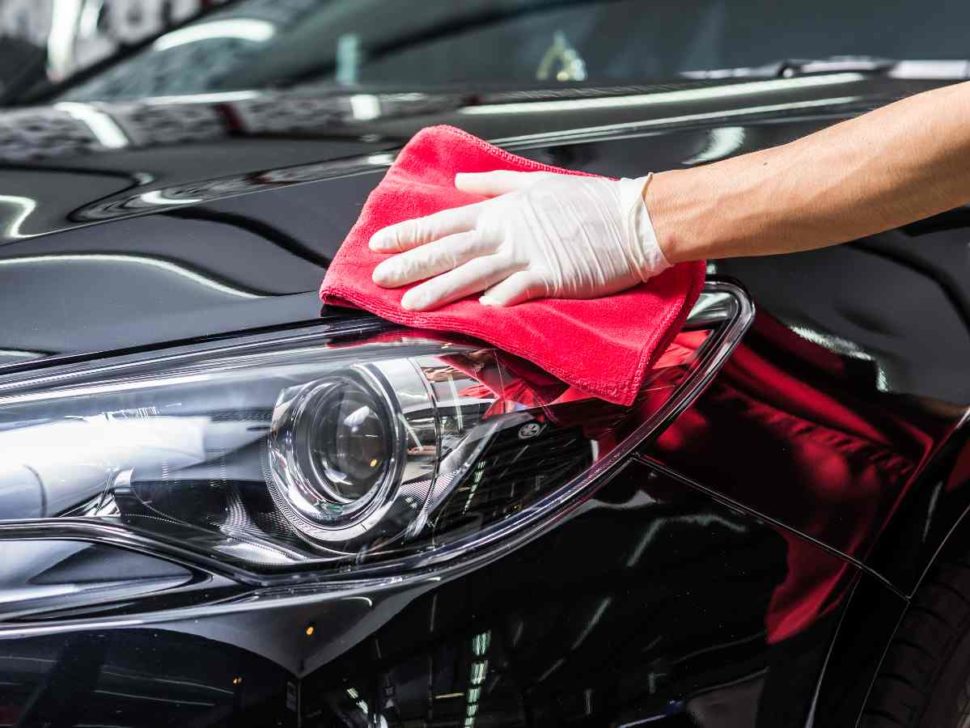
(325, 450)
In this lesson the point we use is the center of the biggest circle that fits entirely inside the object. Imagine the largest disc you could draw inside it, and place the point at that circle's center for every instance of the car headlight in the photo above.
(353, 455)
(319, 452)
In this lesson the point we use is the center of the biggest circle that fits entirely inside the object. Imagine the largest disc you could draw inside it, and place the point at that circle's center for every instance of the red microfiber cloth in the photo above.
(603, 346)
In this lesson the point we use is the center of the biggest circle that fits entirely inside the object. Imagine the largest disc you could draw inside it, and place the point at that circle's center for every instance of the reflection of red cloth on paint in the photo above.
(814, 587)
(514, 382)
(780, 430)
(603, 346)
(960, 475)
(517, 384)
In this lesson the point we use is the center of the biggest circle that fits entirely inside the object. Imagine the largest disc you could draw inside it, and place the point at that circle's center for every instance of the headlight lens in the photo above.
(352, 454)
(347, 442)
(349, 446)
(272, 454)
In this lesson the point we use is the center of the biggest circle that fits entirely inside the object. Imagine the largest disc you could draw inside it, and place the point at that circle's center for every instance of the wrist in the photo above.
(660, 200)
(645, 256)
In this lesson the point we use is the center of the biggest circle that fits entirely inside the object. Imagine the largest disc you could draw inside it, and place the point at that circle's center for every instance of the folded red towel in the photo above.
(603, 346)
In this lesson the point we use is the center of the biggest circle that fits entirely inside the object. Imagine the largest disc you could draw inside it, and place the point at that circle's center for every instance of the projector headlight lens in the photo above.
(342, 442)
(338, 449)
(347, 443)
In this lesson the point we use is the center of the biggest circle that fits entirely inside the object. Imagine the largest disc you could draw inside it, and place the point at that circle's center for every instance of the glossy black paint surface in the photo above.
(649, 603)
(701, 587)
(140, 677)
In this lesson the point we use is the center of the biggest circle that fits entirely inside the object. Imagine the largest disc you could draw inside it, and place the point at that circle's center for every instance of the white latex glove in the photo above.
(540, 234)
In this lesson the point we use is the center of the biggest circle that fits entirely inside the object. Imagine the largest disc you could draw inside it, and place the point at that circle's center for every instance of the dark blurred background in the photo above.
(55, 38)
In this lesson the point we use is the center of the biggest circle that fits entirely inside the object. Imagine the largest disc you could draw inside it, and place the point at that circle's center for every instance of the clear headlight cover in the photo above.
(270, 455)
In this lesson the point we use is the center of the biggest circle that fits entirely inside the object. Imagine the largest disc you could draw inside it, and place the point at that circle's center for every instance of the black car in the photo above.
(221, 504)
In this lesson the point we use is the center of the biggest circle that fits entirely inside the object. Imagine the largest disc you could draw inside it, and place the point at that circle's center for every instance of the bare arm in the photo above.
(900, 163)
(550, 235)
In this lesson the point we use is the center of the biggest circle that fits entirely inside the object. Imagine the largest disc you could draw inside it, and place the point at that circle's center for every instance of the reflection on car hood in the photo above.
(71, 163)
(132, 224)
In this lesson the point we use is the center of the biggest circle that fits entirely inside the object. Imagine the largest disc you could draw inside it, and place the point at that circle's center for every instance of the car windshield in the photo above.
(260, 44)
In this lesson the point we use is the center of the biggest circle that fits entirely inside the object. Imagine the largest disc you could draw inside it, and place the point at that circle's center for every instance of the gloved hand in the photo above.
(540, 234)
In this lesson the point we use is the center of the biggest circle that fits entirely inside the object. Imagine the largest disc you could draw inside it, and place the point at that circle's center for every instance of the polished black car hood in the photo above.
(139, 224)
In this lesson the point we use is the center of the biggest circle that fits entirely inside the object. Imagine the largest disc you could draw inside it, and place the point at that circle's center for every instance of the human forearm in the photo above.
(549, 235)
(894, 165)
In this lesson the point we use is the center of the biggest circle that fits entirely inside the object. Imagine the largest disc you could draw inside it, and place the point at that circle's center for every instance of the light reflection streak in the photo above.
(383, 159)
(251, 29)
(479, 670)
(23, 207)
(87, 24)
(20, 354)
(104, 128)
(846, 348)
(517, 634)
(171, 681)
(615, 130)
(667, 97)
(163, 265)
(155, 699)
(723, 142)
(157, 197)
(594, 620)
(215, 97)
(365, 107)
(480, 643)
(96, 389)
(644, 721)
(60, 37)
(555, 666)
(953, 70)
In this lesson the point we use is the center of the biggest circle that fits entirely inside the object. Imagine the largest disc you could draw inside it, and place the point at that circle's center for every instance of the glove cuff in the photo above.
(643, 250)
